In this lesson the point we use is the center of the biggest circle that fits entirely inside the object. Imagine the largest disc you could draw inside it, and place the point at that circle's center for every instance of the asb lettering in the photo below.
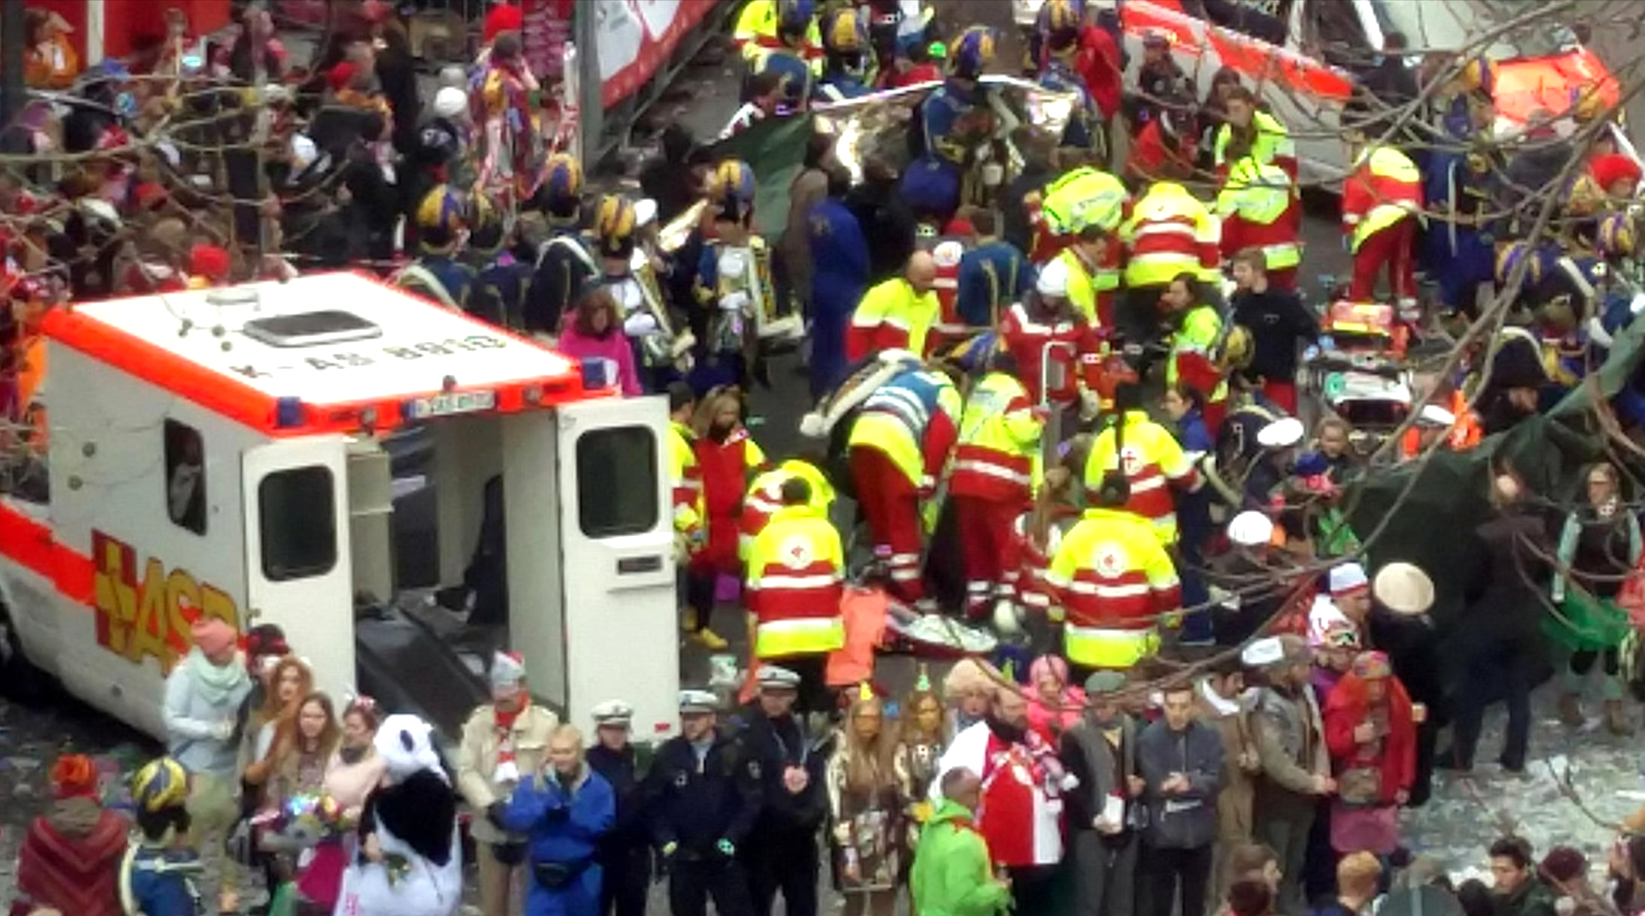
(149, 617)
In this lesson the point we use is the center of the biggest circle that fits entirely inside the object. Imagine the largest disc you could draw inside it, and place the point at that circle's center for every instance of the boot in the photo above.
(688, 620)
(1570, 710)
(709, 640)
(1616, 719)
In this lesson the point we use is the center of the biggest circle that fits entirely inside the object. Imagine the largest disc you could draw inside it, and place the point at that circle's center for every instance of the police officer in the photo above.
(625, 851)
(703, 795)
(782, 851)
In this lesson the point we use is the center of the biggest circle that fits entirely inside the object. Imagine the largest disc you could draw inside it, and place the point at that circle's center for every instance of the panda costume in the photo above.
(413, 817)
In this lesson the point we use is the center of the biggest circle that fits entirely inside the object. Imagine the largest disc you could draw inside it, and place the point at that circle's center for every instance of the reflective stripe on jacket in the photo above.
(1153, 460)
(998, 453)
(795, 577)
(1114, 580)
(1386, 187)
(686, 477)
(1170, 232)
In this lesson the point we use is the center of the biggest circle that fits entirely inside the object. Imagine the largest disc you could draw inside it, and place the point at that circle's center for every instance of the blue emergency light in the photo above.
(288, 413)
(597, 373)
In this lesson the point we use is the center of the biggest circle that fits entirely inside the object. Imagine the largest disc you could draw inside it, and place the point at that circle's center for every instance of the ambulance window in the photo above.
(617, 481)
(297, 522)
(1264, 20)
(185, 477)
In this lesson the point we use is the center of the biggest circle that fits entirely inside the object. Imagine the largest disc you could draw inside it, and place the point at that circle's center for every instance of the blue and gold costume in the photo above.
(955, 119)
(1459, 250)
(993, 275)
(848, 56)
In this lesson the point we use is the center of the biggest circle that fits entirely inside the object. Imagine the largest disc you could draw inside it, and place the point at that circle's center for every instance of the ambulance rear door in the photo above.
(617, 541)
(298, 573)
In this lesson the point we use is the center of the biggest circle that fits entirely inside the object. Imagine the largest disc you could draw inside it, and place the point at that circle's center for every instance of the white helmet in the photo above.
(450, 102)
(1053, 279)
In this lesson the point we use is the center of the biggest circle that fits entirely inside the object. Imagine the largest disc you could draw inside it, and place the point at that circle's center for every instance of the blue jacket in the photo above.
(848, 85)
(992, 276)
(162, 881)
(564, 826)
(840, 253)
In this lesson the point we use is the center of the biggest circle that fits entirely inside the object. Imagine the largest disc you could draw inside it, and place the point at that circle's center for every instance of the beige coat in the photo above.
(477, 761)
(1237, 789)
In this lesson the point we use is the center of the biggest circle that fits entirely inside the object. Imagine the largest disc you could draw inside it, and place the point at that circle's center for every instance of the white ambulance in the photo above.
(220, 452)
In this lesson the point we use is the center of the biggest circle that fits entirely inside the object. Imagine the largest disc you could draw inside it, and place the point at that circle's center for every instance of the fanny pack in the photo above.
(557, 876)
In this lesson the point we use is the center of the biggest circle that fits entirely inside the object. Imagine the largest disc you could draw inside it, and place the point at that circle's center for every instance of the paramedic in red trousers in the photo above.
(690, 510)
(781, 853)
(1259, 208)
(1279, 325)
(1196, 333)
(995, 472)
(796, 571)
(1115, 582)
(1018, 818)
(1381, 204)
(897, 449)
(896, 314)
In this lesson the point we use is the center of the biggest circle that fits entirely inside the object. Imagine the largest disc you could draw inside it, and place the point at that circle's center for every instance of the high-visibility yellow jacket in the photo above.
(1193, 347)
(755, 34)
(1114, 580)
(1170, 232)
(1273, 144)
(765, 498)
(1259, 208)
(892, 316)
(1083, 198)
(796, 570)
(997, 456)
(685, 475)
(1153, 461)
(913, 420)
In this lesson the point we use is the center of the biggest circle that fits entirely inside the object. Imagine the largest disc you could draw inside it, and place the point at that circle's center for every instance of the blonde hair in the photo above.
(968, 676)
(568, 732)
(869, 766)
(1359, 873)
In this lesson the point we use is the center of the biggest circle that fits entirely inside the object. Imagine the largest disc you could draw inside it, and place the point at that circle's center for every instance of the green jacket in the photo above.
(952, 875)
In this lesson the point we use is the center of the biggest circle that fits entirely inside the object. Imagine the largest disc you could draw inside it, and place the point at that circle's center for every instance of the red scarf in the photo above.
(505, 730)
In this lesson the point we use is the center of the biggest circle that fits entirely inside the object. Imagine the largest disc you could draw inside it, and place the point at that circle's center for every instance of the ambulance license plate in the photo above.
(445, 405)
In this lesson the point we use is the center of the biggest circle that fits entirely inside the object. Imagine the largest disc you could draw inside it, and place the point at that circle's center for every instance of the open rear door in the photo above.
(298, 573)
(617, 574)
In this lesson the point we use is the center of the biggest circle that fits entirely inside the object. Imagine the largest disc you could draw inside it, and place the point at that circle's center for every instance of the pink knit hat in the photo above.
(213, 635)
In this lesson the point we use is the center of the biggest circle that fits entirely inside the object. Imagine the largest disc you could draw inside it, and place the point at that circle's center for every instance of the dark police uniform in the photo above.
(625, 852)
(782, 854)
(694, 805)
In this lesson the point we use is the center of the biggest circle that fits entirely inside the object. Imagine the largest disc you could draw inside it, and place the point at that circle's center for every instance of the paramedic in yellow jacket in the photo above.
(1169, 232)
(992, 480)
(1115, 583)
(796, 577)
(764, 498)
(755, 33)
(690, 512)
(1151, 459)
(1089, 205)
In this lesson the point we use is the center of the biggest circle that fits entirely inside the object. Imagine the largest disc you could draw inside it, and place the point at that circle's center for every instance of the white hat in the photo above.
(697, 701)
(1348, 577)
(450, 102)
(1053, 279)
(645, 211)
(1282, 433)
(1435, 415)
(406, 746)
(1250, 528)
(776, 677)
(303, 152)
(1323, 617)
(1263, 652)
(1403, 588)
(507, 669)
(613, 712)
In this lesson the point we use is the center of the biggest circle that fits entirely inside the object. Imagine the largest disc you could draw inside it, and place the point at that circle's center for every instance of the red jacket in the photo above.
(922, 73)
(726, 469)
(1099, 65)
(1153, 160)
(1078, 355)
(1345, 708)
(1371, 185)
(1238, 233)
(70, 859)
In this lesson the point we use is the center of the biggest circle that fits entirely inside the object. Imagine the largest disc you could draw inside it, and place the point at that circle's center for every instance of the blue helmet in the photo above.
(973, 52)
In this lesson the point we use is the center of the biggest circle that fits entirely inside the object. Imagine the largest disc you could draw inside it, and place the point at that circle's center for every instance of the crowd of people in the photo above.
(1202, 700)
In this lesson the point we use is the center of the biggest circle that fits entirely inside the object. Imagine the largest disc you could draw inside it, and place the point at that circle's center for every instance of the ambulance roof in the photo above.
(329, 341)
